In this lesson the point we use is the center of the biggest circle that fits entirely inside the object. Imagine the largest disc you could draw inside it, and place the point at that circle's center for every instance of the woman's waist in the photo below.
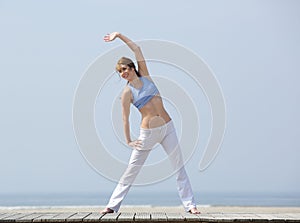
(150, 121)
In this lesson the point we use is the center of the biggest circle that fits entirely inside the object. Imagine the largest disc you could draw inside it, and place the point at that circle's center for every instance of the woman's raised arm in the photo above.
(142, 67)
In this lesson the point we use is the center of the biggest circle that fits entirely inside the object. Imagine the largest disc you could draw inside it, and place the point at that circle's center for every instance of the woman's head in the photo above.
(126, 67)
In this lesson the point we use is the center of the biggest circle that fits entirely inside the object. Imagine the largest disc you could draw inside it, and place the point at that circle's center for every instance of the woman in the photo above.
(156, 127)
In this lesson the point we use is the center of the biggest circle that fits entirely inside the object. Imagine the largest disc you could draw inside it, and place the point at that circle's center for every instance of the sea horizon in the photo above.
(268, 199)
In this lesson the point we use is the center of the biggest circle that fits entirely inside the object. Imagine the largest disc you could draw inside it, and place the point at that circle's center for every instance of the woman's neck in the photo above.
(136, 82)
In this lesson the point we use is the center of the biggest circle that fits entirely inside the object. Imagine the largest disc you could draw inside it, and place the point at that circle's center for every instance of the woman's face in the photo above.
(126, 72)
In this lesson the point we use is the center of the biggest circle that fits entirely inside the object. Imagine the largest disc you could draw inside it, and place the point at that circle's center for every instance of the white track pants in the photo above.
(166, 136)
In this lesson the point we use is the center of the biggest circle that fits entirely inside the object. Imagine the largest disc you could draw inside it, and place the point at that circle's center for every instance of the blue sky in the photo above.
(251, 46)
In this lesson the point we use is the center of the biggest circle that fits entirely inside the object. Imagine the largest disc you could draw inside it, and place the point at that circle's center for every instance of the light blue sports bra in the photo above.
(144, 94)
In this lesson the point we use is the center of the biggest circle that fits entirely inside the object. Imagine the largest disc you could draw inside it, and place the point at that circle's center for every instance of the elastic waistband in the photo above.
(158, 128)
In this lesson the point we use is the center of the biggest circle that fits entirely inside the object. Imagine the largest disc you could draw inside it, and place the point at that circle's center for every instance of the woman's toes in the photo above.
(107, 211)
(194, 211)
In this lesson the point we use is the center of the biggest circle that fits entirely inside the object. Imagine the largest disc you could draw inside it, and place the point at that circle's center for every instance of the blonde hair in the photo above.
(128, 62)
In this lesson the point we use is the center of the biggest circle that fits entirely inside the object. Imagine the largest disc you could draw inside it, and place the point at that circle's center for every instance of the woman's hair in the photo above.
(128, 62)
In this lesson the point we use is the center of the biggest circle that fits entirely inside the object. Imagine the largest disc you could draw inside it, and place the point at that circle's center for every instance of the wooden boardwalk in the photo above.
(77, 217)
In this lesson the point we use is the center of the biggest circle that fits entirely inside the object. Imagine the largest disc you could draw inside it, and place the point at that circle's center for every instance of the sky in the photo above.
(252, 47)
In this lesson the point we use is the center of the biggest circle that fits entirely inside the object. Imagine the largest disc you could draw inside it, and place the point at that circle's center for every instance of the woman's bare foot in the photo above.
(194, 211)
(107, 211)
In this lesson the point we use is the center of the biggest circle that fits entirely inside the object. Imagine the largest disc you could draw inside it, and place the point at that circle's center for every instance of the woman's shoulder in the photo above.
(126, 90)
(126, 94)
(147, 78)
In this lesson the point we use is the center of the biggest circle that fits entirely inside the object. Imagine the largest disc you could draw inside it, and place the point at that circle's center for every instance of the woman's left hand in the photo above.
(111, 37)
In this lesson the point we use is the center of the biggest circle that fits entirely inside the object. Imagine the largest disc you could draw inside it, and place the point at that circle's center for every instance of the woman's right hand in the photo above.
(136, 144)
(110, 37)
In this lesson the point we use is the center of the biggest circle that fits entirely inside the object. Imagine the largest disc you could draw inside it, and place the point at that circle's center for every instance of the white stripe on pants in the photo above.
(166, 136)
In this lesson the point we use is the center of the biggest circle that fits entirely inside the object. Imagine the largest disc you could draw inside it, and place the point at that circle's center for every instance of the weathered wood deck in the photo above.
(78, 217)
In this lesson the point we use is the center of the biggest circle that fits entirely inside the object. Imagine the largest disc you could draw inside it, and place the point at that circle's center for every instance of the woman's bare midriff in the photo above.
(153, 114)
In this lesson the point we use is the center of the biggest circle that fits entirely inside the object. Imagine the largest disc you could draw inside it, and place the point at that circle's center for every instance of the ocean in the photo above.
(151, 199)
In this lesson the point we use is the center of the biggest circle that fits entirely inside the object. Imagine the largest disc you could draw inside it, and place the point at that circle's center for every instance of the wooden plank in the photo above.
(244, 217)
(292, 217)
(286, 217)
(215, 217)
(29, 218)
(93, 217)
(295, 217)
(149, 217)
(266, 216)
(174, 217)
(240, 217)
(78, 217)
(272, 217)
(158, 216)
(13, 218)
(110, 217)
(126, 217)
(206, 217)
(259, 219)
(45, 217)
(226, 217)
(2, 213)
(250, 217)
(190, 217)
(142, 216)
(7, 215)
(61, 217)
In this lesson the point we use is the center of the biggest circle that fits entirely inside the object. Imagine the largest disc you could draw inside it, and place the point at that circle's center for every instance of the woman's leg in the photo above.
(171, 146)
(136, 162)
(138, 157)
